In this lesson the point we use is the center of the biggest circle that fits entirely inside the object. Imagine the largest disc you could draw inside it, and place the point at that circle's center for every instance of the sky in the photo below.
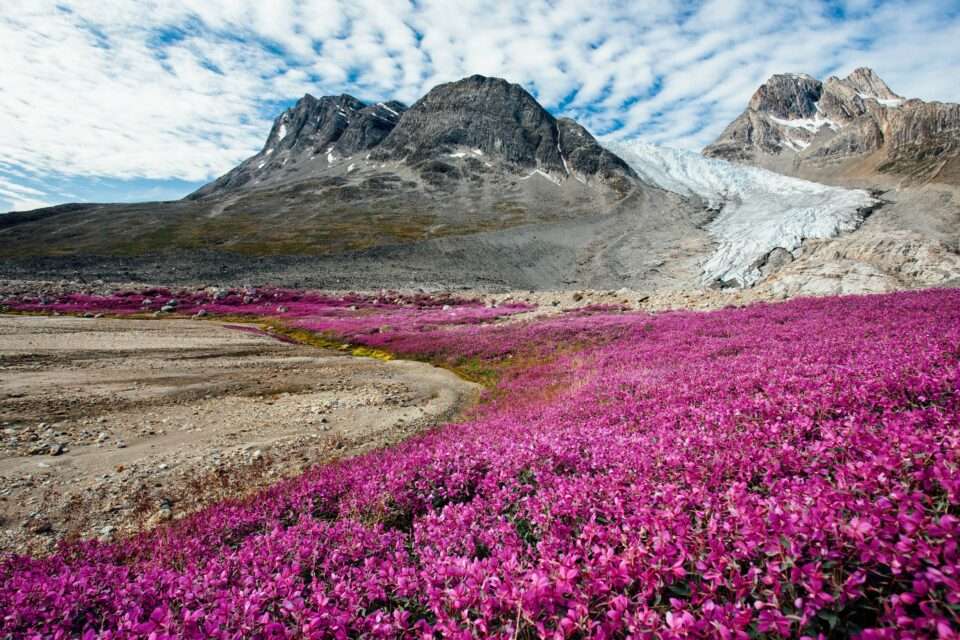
(108, 100)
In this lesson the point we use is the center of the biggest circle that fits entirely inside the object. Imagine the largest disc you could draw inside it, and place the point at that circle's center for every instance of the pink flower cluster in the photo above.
(775, 471)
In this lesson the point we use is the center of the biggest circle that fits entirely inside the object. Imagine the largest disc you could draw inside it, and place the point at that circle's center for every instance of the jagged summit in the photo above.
(460, 131)
(314, 129)
(854, 126)
(867, 84)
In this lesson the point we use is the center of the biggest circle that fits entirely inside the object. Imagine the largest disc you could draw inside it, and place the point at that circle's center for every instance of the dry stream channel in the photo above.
(111, 426)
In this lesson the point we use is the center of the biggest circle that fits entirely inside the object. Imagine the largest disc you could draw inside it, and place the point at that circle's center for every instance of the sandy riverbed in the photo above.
(108, 426)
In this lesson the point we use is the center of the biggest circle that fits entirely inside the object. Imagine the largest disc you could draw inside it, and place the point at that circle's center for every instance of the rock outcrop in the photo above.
(867, 263)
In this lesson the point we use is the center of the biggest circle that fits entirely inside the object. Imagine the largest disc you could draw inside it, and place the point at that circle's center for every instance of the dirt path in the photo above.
(109, 426)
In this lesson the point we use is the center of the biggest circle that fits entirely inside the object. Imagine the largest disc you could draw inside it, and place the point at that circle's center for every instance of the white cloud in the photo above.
(186, 88)
(20, 197)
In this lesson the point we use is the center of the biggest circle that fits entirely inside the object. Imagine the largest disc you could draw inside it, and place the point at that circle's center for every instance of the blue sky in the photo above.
(110, 101)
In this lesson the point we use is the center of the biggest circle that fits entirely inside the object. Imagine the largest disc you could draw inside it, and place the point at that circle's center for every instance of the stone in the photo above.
(163, 514)
(39, 525)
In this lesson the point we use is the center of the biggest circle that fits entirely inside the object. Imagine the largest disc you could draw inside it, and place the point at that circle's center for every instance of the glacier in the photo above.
(759, 210)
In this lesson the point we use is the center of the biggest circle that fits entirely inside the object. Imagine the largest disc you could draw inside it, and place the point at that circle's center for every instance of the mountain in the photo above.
(478, 129)
(855, 129)
(474, 183)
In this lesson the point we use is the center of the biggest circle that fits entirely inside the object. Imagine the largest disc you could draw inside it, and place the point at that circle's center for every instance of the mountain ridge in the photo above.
(476, 118)
(474, 182)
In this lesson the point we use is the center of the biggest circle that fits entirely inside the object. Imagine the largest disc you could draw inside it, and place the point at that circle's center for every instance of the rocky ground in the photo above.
(109, 426)
(548, 302)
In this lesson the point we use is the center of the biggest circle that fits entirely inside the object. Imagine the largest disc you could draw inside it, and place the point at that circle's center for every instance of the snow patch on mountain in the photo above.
(810, 124)
(759, 210)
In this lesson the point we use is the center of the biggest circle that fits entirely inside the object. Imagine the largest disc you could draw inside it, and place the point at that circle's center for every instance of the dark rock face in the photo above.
(855, 126)
(369, 127)
(489, 114)
(492, 118)
(788, 96)
(583, 156)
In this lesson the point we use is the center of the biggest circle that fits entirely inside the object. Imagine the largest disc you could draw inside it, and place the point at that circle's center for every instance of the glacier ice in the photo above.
(759, 210)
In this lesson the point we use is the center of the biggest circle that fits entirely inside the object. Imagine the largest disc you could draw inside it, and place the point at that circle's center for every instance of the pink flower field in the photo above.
(772, 471)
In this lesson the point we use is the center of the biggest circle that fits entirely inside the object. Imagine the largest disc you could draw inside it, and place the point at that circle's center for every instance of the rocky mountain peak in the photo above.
(788, 96)
(489, 114)
(857, 124)
(868, 84)
(314, 122)
(502, 121)
(313, 129)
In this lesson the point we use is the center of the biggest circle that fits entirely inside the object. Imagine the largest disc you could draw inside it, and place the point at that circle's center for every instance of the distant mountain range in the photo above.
(477, 185)
(474, 184)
